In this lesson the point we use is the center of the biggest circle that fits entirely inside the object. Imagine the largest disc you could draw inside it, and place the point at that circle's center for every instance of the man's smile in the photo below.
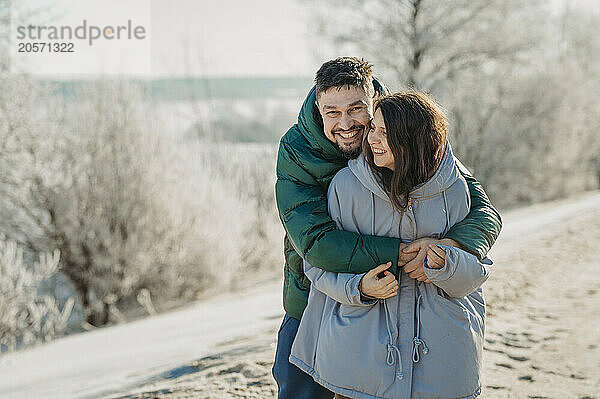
(349, 134)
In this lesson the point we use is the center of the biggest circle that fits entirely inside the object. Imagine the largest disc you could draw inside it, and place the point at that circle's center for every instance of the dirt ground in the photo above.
(541, 335)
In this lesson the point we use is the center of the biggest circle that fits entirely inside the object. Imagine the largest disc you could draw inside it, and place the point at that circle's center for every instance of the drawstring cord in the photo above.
(446, 212)
(417, 341)
(372, 213)
(391, 348)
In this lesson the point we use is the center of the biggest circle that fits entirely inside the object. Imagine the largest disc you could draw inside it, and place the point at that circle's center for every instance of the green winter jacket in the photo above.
(306, 163)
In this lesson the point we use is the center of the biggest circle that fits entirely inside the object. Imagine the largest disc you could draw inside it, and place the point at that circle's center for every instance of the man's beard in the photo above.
(350, 153)
(346, 152)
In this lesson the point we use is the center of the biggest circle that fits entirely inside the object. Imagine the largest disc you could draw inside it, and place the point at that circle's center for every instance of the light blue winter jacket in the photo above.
(425, 342)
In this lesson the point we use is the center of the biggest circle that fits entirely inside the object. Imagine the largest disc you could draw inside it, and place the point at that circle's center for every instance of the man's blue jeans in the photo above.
(293, 383)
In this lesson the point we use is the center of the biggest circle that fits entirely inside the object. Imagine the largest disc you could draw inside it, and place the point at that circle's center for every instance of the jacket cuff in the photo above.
(462, 273)
(442, 274)
(353, 292)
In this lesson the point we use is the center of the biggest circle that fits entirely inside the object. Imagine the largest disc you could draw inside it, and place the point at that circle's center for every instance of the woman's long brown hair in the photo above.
(416, 129)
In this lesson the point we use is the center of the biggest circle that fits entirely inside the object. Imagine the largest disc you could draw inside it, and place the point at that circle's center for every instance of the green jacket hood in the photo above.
(313, 132)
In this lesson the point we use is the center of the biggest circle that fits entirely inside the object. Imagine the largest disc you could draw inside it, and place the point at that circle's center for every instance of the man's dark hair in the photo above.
(345, 71)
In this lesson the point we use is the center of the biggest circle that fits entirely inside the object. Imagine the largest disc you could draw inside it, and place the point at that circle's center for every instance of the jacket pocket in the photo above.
(472, 306)
(350, 311)
(452, 329)
(353, 340)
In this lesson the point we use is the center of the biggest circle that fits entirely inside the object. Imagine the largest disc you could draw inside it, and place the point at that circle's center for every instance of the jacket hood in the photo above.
(310, 129)
(313, 132)
(445, 175)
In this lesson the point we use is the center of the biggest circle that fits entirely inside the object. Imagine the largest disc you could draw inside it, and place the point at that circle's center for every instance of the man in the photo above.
(330, 128)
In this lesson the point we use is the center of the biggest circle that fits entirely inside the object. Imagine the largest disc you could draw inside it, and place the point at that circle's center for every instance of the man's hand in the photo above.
(436, 257)
(405, 257)
(375, 287)
(418, 250)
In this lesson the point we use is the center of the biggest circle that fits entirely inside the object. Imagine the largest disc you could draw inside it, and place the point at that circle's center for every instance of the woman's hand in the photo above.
(413, 265)
(415, 253)
(436, 257)
(379, 287)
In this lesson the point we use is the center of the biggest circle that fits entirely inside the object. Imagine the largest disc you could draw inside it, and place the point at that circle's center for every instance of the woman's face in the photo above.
(377, 139)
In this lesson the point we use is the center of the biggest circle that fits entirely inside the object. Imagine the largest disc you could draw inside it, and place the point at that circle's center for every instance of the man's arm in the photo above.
(480, 229)
(303, 210)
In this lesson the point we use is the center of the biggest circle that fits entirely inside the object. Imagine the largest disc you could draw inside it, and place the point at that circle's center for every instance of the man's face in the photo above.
(346, 113)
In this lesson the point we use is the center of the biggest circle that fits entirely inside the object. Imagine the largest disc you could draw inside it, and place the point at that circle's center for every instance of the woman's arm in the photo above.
(457, 272)
(342, 287)
(354, 289)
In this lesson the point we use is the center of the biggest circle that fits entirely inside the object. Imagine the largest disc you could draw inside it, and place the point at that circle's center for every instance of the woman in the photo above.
(372, 335)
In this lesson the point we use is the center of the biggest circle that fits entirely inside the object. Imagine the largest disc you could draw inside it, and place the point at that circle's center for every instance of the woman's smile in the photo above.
(377, 139)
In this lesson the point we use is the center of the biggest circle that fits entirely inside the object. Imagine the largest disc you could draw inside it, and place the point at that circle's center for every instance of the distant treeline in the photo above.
(190, 89)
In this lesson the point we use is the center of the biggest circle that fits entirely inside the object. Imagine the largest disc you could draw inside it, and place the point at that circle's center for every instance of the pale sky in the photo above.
(190, 37)
(185, 37)
(231, 37)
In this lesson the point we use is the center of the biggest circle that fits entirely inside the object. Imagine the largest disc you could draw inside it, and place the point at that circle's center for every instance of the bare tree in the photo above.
(508, 77)
(425, 43)
(14, 12)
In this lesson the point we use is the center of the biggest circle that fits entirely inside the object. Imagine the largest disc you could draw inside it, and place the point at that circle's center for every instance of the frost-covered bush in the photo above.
(26, 316)
(248, 171)
(87, 177)
(139, 217)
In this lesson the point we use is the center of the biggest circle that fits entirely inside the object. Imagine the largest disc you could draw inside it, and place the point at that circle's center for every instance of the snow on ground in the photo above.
(97, 363)
(543, 301)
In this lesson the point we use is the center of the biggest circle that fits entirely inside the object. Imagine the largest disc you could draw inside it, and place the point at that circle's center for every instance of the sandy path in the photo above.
(541, 336)
(542, 330)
